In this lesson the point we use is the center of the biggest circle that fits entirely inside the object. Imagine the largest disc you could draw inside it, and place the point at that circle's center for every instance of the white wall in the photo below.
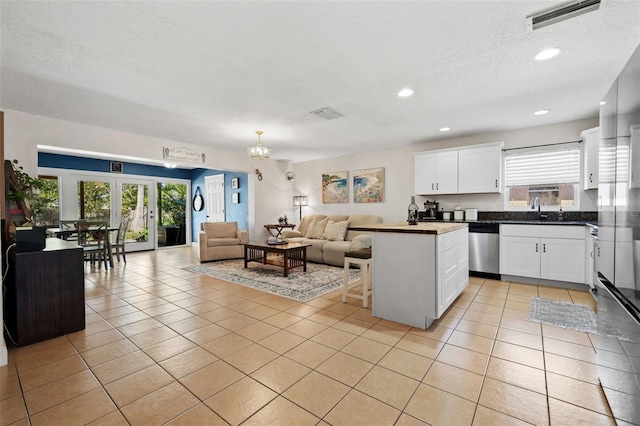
(398, 164)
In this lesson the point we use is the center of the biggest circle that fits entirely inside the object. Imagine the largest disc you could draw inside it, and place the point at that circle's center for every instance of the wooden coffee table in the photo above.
(294, 254)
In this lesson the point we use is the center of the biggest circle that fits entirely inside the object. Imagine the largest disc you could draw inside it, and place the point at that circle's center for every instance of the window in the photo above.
(45, 203)
(549, 173)
(172, 213)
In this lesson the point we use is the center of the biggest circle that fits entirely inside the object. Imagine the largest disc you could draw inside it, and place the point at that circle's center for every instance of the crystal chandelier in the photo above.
(259, 151)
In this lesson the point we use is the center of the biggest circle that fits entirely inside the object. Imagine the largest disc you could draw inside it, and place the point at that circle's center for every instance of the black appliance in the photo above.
(31, 239)
(431, 210)
(617, 259)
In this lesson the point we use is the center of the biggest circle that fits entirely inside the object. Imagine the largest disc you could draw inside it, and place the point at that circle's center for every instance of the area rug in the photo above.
(572, 316)
(299, 285)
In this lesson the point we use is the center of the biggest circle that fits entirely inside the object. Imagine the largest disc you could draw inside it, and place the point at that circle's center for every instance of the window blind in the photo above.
(613, 160)
(543, 166)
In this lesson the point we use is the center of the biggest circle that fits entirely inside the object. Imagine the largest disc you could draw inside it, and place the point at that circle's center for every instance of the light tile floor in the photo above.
(163, 345)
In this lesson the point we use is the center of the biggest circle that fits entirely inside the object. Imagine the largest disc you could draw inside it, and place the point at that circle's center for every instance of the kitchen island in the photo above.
(418, 270)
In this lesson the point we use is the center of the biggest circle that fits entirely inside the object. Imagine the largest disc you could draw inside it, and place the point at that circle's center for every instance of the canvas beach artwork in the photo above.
(335, 187)
(368, 185)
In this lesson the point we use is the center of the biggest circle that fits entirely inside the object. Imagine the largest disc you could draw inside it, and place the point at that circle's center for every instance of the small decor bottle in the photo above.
(560, 215)
(413, 212)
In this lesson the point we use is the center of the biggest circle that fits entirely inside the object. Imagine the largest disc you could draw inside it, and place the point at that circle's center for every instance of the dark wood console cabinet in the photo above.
(44, 292)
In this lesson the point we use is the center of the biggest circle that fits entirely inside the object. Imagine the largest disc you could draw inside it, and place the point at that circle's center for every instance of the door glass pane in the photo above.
(135, 208)
(94, 200)
(172, 210)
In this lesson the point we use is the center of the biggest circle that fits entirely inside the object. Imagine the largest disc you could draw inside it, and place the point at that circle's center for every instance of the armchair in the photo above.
(221, 240)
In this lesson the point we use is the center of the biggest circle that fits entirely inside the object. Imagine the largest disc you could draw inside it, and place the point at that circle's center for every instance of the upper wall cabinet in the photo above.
(436, 172)
(591, 139)
(479, 169)
(463, 170)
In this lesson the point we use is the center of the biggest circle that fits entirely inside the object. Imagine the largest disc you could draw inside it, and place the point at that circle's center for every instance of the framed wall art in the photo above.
(335, 187)
(368, 185)
(235, 198)
(235, 183)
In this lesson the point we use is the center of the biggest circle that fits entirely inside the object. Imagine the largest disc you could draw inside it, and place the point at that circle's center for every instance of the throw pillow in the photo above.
(220, 229)
(316, 229)
(335, 231)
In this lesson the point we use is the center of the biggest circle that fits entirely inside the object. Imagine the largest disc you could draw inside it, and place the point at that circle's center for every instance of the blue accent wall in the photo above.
(233, 212)
(58, 161)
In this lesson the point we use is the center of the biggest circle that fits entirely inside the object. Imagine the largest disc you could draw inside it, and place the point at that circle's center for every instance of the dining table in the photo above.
(67, 232)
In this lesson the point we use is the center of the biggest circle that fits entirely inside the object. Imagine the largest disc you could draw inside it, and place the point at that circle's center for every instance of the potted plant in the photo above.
(23, 189)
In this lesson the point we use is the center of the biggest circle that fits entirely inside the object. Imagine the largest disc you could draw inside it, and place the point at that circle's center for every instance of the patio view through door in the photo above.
(171, 213)
(115, 200)
(134, 197)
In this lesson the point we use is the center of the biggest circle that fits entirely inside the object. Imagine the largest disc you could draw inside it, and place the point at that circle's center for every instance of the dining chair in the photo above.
(92, 237)
(69, 230)
(118, 246)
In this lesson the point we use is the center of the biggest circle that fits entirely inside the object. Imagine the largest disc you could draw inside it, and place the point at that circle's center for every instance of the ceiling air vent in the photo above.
(327, 113)
(560, 13)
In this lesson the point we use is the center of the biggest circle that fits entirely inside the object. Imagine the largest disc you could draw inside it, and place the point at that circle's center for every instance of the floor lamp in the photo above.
(299, 201)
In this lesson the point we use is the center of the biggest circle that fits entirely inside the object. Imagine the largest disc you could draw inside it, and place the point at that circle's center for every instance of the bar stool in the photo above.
(362, 258)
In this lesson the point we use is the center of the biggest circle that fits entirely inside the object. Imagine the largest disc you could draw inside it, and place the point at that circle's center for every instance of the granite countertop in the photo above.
(439, 227)
(517, 222)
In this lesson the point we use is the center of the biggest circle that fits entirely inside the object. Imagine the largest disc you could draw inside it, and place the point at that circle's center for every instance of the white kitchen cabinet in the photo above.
(590, 256)
(591, 140)
(416, 276)
(453, 264)
(552, 252)
(520, 256)
(479, 169)
(436, 172)
(562, 260)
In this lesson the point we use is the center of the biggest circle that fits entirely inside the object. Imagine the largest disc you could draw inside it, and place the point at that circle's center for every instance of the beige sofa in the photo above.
(221, 240)
(323, 250)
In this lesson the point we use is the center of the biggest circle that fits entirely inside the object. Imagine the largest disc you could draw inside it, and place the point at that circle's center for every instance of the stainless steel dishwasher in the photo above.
(484, 250)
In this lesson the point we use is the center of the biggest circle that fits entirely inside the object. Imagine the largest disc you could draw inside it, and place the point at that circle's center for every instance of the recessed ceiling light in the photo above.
(404, 93)
(445, 129)
(547, 54)
(603, 102)
(541, 112)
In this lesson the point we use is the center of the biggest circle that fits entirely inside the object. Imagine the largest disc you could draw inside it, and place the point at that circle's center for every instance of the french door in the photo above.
(115, 200)
(135, 201)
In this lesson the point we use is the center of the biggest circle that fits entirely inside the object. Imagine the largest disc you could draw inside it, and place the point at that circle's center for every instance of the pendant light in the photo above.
(259, 151)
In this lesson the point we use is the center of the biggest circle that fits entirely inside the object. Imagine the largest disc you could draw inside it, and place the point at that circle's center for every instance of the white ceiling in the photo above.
(212, 73)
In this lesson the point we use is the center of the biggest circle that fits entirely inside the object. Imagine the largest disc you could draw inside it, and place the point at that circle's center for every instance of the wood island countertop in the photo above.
(421, 228)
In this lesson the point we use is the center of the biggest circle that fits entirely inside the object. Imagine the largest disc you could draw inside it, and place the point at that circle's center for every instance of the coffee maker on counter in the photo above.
(431, 211)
